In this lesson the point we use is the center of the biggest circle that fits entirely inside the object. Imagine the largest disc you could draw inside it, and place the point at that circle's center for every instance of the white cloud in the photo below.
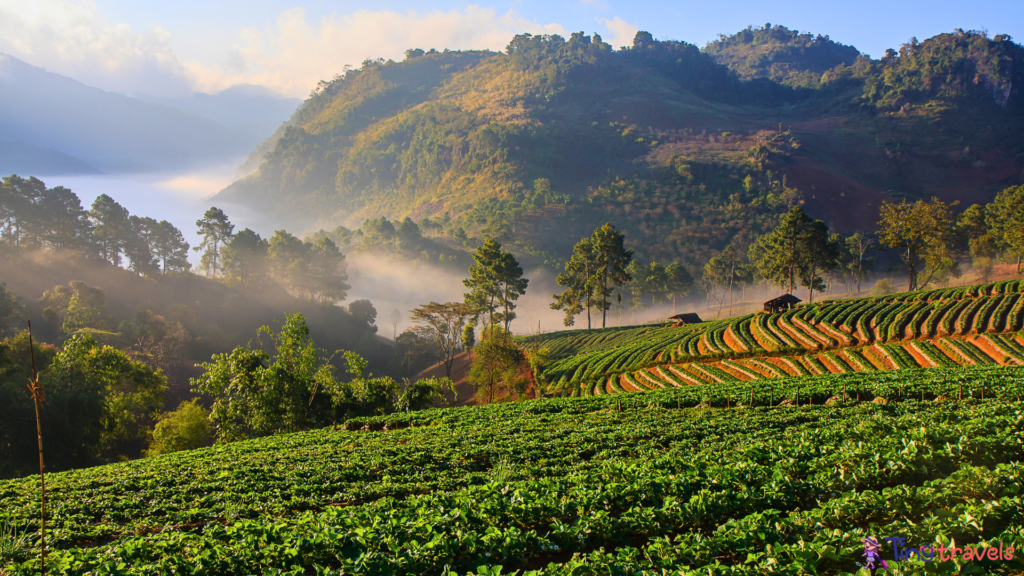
(289, 55)
(623, 31)
(292, 54)
(75, 39)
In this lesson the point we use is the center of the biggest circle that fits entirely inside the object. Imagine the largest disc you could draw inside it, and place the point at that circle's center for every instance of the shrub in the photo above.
(883, 287)
(186, 428)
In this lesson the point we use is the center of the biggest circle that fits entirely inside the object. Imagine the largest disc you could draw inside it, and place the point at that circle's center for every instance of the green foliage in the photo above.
(1006, 217)
(496, 363)
(317, 270)
(131, 392)
(245, 259)
(186, 428)
(797, 249)
(424, 393)
(12, 312)
(468, 337)
(216, 231)
(691, 488)
(883, 287)
(34, 216)
(14, 546)
(495, 282)
(924, 234)
(443, 325)
(780, 54)
(257, 394)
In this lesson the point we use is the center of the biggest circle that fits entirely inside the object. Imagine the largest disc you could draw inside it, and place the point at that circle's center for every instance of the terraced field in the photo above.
(680, 481)
(968, 326)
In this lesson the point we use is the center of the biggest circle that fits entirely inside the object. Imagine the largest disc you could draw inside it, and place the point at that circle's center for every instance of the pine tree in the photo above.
(611, 259)
(216, 229)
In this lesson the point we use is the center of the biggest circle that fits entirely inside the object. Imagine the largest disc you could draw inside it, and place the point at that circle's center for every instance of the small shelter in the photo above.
(688, 318)
(781, 304)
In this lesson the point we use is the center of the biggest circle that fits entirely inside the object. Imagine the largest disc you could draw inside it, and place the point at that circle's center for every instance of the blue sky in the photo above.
(175, 47)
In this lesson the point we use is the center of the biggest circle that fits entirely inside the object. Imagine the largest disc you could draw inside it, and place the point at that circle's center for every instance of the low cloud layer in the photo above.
(289, 55)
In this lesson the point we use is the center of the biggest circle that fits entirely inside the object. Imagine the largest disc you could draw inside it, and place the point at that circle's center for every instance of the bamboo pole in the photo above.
(38, 396)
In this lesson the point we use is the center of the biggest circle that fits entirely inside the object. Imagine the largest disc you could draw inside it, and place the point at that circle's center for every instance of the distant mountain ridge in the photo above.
(686, 150)
(108, 132)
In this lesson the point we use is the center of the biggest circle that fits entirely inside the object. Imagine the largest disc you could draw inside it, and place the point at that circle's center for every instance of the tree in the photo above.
(496, 361)
(468, 337)
(858, 245)
(974, 229)
(111, 228)
(656, 282)
(138, 245)
(326, 275)
(85, 308)
(444, 323)
(495, 281)
(611, 259)
(215, 229)
(578, 281)
(722, 272)
(287, 257)
(170, 248)
(777, 255)
(820, 253)
(922, 232)
(256, 394)
(636, 287)
(363, 311)
(244, 259)
(679, 282)
(12, 312)
(1006, 217)
(132, 393)
(424, 393)
(186, 428)
(396, 317)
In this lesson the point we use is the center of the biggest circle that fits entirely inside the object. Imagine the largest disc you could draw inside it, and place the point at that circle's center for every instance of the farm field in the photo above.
(967, 326)
(678, 481)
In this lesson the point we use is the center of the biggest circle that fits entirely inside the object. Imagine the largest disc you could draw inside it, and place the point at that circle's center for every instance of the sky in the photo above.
(175, 48)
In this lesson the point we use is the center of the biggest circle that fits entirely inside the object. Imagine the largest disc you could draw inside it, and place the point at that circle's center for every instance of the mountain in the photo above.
(111, 132)
(780, 54)
(686, 150)
(253, 110)
(21, 158)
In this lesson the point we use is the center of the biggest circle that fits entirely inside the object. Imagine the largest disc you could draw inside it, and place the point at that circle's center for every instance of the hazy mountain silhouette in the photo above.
(111, 132)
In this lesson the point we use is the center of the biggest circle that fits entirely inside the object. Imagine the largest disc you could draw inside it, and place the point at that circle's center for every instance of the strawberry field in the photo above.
(779, 476)
(967, 326)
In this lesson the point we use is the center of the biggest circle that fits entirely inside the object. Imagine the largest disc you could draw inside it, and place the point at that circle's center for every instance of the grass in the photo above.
(13, 546)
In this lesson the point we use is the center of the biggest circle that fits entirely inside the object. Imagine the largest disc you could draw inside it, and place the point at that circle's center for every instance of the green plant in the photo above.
(13, 545)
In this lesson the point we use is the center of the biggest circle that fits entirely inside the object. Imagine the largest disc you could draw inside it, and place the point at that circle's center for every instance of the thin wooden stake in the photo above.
(38, 396)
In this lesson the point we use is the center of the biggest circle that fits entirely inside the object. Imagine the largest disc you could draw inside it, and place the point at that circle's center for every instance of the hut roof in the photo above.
(784, 299)
(688, 318)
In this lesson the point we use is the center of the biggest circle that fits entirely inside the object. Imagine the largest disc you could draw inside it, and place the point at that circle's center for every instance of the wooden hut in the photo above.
(682, 319)
(781, 304)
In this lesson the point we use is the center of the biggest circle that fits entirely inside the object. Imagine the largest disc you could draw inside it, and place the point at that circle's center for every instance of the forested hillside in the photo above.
(686, 150)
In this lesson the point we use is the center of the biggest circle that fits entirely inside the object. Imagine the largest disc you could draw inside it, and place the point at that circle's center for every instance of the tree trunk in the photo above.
(810, 299)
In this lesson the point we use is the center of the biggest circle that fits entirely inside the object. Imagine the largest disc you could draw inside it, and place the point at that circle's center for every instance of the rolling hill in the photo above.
(969, 326)
(658, 138)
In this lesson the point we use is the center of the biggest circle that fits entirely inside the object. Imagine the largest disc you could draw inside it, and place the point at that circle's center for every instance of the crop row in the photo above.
(551, 486)
(582, 359)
